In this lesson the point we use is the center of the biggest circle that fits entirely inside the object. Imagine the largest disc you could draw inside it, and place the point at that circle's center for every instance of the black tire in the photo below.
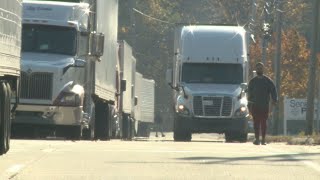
(3, 122)
(102, 129)
(143, 130)
(236, 136)
(75, 133)
(125, 126)
(8, 113)
(3, 118)
(181, 131)
(243, 137)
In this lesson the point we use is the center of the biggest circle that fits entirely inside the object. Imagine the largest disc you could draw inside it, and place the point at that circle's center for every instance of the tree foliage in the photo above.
(294, 62)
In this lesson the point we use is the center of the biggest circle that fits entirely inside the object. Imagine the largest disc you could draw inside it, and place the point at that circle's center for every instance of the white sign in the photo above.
(295, 109)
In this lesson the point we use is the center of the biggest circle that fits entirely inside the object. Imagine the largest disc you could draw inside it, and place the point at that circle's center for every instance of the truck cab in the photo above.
(209, 79)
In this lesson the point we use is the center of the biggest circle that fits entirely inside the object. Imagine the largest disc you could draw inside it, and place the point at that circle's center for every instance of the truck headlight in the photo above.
(67, 99)
(241, 112)
(182, 109)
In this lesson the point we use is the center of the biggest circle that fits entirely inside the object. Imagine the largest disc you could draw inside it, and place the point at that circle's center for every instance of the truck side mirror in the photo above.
(96, 45)
(123, 85)
(169, 76)
(136, 100)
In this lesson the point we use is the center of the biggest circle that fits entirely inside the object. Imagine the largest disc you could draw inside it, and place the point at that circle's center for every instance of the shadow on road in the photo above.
(270, 158)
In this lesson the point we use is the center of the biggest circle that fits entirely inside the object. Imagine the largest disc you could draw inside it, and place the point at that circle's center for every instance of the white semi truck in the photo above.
(145, 108)
(209, 76)
(10, 47)
(69, 59)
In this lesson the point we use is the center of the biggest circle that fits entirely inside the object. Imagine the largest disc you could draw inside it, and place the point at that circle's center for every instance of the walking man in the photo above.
(260, 89)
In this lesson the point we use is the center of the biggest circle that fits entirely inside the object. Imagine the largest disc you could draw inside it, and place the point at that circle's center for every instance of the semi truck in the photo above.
(209, 79)
(10, 47)
(68, 71)
(145, 108)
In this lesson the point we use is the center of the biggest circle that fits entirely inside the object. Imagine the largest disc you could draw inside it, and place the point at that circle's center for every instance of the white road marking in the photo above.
(15, 168)
(313, 165)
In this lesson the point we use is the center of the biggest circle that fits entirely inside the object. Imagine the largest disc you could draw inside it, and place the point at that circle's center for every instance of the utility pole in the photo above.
(252, 20)
(312, 68)
(132, 5)
(277, 65)
(267, 31)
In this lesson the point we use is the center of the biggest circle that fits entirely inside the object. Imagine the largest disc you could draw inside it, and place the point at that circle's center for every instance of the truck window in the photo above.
(212, 73)
(49, 39)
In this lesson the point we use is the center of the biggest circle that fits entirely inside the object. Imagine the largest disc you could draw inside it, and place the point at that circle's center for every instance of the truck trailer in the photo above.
(68, 72)
(145, 108)
(10, 47)
(209, 79)
(127, 64)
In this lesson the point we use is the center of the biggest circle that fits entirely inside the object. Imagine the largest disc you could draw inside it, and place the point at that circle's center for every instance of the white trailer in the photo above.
(10, 47)
(127, 76)
(69, 58)
(145, 108)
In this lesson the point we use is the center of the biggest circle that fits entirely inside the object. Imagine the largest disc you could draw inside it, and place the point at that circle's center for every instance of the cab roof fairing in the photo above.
(218, 44)
(57, 14)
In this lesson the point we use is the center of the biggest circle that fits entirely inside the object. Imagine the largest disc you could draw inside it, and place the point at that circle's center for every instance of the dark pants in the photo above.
(260, 116)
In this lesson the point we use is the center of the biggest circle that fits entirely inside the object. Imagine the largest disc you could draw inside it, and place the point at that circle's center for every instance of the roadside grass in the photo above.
(299, 139)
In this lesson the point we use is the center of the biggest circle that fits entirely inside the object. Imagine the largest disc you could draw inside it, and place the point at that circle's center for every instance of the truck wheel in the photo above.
(125, 126)
(143, 130)
(102, 121)
(75, 133)
(3, 125)
(243, 137)
(236, 136)
(229, 137)
(8, 113)
(181, 131)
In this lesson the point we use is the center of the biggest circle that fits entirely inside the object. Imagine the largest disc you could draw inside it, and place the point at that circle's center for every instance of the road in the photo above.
(206, 157)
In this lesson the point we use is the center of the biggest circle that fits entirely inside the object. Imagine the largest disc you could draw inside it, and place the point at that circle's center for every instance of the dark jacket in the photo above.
(260, 89)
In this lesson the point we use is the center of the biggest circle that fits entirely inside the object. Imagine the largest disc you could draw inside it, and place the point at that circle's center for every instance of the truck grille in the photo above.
(36, 85)
(214, 106)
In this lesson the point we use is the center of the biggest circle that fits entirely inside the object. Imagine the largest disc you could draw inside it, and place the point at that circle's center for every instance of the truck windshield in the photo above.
(212, 73)
(49, 39)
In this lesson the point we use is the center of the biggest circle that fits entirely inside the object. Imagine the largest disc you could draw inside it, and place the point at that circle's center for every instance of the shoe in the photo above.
(156, 135)
(163, 135)
(256, 142)
(263, 142)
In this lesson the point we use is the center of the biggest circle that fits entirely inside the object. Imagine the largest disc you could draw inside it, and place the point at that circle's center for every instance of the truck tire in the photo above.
(126, 124)
(4, 115)
(181, 131)
(102, 121)
(236, 136)
(243, 137)
(75, 133)
(143, 129)
(9, 115)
